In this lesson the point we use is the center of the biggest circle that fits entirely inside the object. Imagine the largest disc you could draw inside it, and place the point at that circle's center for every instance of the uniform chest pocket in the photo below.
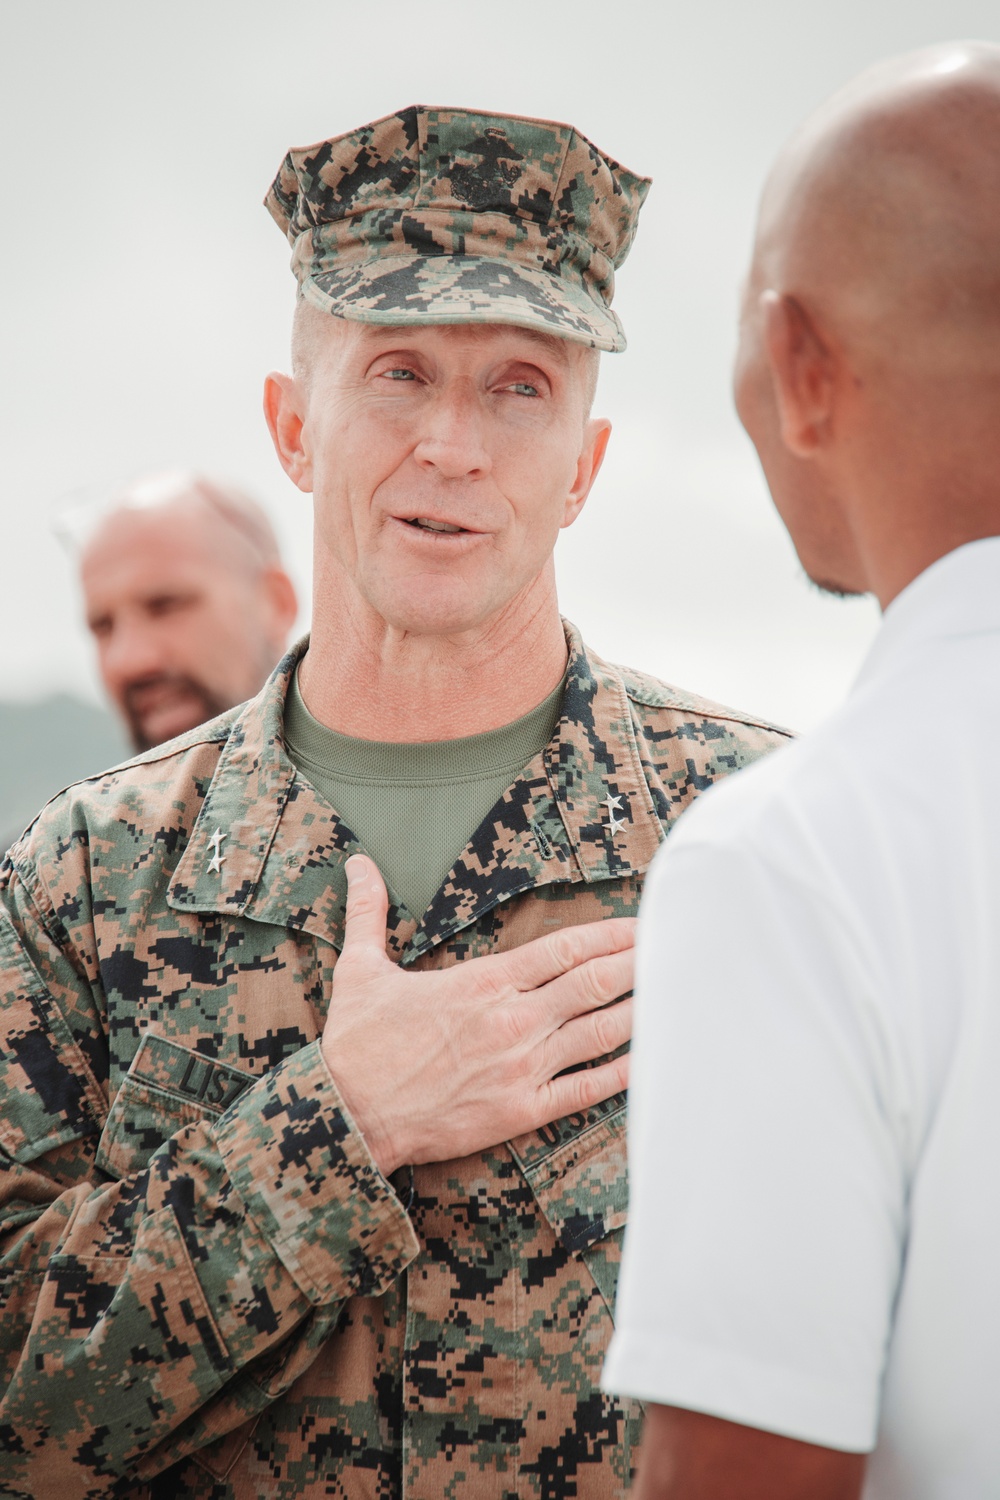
(167, 1087)
(582, 1189)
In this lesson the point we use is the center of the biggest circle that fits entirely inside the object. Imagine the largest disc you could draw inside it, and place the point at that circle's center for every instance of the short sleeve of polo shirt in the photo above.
(767, 1209)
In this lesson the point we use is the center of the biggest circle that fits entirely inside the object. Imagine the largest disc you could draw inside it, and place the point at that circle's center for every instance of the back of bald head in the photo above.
(882, 215)
(234, 527)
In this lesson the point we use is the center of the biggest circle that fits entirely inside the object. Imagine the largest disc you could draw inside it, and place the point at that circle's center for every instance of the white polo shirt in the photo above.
(814, 1245)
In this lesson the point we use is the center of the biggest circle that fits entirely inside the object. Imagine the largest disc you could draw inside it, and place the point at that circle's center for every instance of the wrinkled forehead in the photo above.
(341, 348)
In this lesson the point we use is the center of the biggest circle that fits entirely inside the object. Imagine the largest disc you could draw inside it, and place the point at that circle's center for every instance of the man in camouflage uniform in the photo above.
(292, 1205)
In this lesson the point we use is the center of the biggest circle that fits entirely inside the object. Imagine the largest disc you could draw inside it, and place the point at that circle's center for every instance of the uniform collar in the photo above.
(580, 811)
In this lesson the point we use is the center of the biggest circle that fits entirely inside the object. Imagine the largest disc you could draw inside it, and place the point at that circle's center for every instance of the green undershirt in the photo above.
(414, 807)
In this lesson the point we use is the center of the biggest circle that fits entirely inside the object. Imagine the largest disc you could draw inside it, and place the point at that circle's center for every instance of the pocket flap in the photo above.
(166, 1087)
(582, 1187)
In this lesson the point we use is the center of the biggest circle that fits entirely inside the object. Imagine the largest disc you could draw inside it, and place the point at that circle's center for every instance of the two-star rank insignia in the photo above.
(613, 805)
(215, 844)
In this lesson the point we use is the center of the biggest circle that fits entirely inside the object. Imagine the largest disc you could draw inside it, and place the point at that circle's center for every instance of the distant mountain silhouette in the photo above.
(45, 746)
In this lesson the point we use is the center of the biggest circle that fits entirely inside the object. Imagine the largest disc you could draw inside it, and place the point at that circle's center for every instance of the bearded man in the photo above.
(186, 599)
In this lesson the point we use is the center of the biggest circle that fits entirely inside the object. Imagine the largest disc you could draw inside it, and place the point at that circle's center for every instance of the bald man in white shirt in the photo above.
(811, 1265)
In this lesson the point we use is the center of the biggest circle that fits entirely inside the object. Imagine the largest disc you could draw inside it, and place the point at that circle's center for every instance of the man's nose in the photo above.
(454, 438)
(132, 651)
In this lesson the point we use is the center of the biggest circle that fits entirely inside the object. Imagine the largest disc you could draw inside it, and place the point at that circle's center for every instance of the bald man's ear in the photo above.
(284, 412)
(802, 372)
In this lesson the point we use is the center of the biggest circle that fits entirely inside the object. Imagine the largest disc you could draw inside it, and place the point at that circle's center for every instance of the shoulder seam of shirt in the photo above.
(218, 735)
(675, 700)
(167, 751)
(652, 692)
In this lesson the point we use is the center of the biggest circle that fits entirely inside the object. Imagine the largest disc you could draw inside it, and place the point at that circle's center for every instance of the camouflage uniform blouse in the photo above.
(207, 1289)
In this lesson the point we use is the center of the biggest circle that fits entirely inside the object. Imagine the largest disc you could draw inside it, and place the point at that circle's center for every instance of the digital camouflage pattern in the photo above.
(449, 216)
(207, 1289)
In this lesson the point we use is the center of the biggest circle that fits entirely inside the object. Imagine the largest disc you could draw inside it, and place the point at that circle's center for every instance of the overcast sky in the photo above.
(146, 291)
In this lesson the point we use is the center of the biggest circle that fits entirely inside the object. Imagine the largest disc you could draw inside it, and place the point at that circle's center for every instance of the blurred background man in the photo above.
(187, 600)
(190, 608)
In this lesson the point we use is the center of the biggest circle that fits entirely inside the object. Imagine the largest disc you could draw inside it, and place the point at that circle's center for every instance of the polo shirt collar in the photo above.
(959, 594)
(582, 810)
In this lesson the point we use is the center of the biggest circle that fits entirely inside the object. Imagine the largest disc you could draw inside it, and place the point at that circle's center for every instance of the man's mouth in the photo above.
(426, 524)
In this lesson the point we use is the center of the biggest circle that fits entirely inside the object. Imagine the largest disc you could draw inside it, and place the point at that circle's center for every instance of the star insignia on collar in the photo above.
(613, 805)
(215, 844)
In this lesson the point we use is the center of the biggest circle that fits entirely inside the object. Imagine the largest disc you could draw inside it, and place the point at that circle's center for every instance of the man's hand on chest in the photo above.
(439, 1065)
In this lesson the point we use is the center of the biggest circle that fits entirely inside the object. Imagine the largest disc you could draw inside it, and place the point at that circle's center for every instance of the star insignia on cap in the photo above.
(215, 844)
(613, 805)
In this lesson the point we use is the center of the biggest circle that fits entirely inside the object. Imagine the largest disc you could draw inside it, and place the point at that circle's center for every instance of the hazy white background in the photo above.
(145, 291)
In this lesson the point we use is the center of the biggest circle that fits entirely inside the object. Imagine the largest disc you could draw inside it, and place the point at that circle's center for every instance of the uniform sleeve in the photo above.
(143, 1318)
(766, 1156)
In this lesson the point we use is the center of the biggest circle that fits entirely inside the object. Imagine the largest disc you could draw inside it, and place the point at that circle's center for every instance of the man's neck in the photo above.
(918, 487)
(365, 678)
(897, 546)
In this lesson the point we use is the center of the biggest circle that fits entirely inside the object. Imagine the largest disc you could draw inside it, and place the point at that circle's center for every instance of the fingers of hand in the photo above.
(575, 1093)
(545, 958)
(523, 1026)
(588, 987)
(591, 1036)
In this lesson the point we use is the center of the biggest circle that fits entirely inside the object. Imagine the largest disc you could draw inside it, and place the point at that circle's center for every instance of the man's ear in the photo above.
(284, 412)
(802, 372)
(595, 445)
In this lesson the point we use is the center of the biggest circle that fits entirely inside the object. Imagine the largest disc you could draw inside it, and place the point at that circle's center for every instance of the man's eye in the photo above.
(167, 604)
(400, 372)
(522, 388)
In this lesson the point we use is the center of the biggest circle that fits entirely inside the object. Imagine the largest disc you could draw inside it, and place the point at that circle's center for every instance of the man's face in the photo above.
(179, 631)
(443, 461)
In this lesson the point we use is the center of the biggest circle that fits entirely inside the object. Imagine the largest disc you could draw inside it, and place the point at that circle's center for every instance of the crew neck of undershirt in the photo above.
(418, 763)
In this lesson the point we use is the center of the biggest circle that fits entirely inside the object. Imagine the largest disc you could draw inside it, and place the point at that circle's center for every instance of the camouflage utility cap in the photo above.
(449, 216)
